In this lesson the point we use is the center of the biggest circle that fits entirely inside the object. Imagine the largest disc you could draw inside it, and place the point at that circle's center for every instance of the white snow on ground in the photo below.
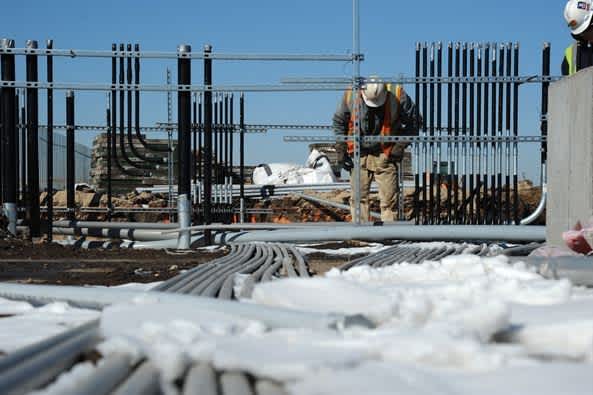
(31, 325)
(436, 323)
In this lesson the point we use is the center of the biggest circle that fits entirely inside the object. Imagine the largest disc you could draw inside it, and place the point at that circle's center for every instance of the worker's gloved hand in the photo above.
(346, 163)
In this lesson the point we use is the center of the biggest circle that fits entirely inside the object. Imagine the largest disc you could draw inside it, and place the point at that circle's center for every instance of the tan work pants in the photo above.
(385, 173)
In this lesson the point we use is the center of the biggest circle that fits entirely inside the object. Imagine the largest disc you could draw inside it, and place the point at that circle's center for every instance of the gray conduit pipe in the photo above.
(200, 380)
(110, 372)
(124, 234)
(98, 298)
(144, 380)
(42, 368)
(235, 383)
(188, 283)
(162, 244)
(542, 203)
(114, 225)
(392, 232)
(176, 283)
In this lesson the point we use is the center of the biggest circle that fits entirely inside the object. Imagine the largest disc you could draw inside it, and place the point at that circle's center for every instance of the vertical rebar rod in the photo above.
(170, 143)
(207, 142)
(440, 131)
(544, 116)
(426, 165)
(472, 154)
(242, 157)
(515, 134)
(215, 152)
(508, 220)
(479, 134)
(417, 215)
(449, 133)
(486, 132)
(195, 141)
(501, 103)
(184, 147)
(220, 155)
(231, 149)
(24, 186)
(200, 138)
(70, 160)
(493, 131)
(17, 98)
(226, 148)
(9, 133)
(32, 142)
(50, 144)
(356, 85)
(431, 215)
(463, 125)
(456, 130)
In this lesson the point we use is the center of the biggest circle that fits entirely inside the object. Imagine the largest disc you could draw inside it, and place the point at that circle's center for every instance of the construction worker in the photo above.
(579, 55)
(386, 110)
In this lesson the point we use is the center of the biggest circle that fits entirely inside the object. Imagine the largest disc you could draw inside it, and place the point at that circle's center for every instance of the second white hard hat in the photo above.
(374, 93)
(578, 15)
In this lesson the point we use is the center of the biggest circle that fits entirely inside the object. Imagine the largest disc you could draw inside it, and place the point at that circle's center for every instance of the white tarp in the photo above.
(317, 170)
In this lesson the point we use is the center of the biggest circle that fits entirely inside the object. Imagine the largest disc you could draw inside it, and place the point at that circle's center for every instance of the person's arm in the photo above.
(340, 125)
(409, 124)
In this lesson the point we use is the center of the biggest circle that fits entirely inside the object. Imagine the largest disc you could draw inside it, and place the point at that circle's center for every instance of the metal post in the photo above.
(426, 164)
(34, 211)
(207, 142)
(472, 73)
(184, 147)
(215, 156)
(226, 150)
(109, 174)
(23, 147)
(479, 145)
(170, 144)
(486, 151)
(544, 123)
(501, 101)
(231, 148)
(449, 133)
(417, 145)
(508, 220)
(242, 156)
(194, 130)
(70, 169)
(9, 132)
(493, 203)
(356, 85)
(456, 145)
(431, 215)
(463, 213)
(50, 144)
(440, 130)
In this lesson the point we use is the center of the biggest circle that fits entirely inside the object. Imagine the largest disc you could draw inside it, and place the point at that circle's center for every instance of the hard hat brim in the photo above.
(584, 26)
(378, 102)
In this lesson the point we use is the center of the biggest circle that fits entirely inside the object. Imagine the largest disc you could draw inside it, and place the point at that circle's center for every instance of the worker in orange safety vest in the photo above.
(385, 110)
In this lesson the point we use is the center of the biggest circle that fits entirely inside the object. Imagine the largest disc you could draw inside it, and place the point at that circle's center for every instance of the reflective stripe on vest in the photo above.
(570, 54)
(388, 116)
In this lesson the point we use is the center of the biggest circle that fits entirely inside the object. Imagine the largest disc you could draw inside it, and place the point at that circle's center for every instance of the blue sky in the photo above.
(389, 31)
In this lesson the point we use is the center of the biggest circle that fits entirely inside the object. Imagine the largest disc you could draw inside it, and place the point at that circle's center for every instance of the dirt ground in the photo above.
(25, 262)
(42, 263)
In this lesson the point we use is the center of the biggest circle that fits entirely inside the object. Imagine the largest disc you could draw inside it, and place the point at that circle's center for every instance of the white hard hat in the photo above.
(578, 15)
(374, 93)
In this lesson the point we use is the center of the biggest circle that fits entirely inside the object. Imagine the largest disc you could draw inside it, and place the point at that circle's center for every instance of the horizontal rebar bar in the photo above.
(76, 53)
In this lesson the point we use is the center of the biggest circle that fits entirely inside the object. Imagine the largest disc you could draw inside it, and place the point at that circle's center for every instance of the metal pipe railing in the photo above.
(391, 232)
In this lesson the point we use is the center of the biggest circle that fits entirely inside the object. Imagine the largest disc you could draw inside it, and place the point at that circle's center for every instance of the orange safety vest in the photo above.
(386, 129)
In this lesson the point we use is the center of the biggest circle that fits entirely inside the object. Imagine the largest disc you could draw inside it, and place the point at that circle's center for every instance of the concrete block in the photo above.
(570, 154)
